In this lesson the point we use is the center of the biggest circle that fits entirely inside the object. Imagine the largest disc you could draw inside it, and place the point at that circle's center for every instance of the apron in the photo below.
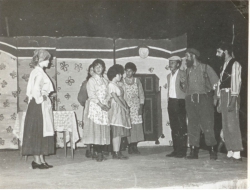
(46, 87)
(133, 102)
(96, 114)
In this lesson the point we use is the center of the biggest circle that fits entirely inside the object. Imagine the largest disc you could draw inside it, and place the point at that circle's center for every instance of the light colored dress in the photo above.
(118, 115)
(134, 96)
(96, 129)
(119, 119)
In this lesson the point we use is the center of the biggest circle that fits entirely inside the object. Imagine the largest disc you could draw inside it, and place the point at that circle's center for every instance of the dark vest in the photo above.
(226, 78)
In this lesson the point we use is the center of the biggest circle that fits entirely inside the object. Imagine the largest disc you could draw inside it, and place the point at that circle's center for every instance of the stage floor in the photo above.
(151, 169)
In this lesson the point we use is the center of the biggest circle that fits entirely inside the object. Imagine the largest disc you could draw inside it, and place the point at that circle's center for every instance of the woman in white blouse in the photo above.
(38, 137)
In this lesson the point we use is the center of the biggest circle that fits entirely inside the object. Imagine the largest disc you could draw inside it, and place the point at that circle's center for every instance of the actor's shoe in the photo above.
(119, 156)
(88, 154)
(105, 153)
(39, 166)
(130, 149)
(213, 153)
(94, 155)
(193, 153)
(47, 165)
(237, 160)
(100, 157)
(172, 154)
(180, 155)
(135, 149)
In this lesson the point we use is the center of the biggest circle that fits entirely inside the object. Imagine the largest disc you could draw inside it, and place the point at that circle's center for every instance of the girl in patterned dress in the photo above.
(96, 128)
(134, 97)
(119, 112)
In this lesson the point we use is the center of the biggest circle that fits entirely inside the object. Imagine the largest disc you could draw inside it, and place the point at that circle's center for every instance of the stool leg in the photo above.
(71, 144)
(65, 144)
(26, 158)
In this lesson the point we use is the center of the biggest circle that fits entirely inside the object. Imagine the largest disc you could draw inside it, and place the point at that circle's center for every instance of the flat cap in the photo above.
(193, 51)
(174, 58)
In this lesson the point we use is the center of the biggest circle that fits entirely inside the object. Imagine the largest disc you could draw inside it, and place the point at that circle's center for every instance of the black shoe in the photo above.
(88, 154)
(193, 153)
(39, 166)
(236, 160)
(99, 157)
(180, 155)
(130, 149)
(119, 156)
(94, 155)
(213, 153)
(105, 153)
(47, 165)
(135, 149)
(172, 154)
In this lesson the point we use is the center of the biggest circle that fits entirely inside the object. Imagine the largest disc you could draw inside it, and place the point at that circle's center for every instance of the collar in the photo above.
(175, 72)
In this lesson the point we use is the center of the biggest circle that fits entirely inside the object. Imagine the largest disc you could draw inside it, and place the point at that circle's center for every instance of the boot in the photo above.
(88, 154)
(193, 153)
(213, 153)
(130, 148)
(135, 149)
(119, 156)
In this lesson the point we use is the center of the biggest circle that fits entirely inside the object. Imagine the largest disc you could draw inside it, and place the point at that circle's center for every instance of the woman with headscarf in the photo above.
(38, 137)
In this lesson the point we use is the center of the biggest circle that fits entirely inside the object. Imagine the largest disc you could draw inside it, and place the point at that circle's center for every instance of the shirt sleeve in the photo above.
(91, 89)
(213, 77)
(37, 89)
(236, 79)
(113, 88)
(141, 92)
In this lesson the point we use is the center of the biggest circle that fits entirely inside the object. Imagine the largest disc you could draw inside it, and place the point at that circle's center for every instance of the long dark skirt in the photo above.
(33, 141)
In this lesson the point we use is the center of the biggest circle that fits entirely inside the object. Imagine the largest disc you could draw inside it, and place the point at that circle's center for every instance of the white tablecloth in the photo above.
(63, 121)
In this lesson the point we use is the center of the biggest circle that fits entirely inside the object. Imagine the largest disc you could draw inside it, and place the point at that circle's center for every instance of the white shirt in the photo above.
(172, 90)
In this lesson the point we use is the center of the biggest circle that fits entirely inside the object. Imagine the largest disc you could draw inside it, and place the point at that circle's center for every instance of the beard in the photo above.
(190, 63)
(222, 57)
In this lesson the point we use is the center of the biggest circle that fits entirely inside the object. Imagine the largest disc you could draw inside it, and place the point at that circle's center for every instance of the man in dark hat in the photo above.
(229, 102)
(200, 81)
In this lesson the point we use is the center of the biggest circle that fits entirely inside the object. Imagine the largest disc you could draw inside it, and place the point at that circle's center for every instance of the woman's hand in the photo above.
(103, 107)
(140, 111)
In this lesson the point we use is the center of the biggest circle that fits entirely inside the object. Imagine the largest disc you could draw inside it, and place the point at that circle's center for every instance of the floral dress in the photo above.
(134, 96)
(96, 129)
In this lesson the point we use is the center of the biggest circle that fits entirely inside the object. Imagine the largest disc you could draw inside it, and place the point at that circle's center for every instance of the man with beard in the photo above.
(199, 103)
(228, 90)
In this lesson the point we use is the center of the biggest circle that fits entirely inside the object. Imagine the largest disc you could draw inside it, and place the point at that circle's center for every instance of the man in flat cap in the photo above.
(176, 107)
(200, 81)
(228, 91)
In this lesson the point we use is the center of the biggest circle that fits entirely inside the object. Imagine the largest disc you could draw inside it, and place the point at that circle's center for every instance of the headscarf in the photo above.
(39, 56)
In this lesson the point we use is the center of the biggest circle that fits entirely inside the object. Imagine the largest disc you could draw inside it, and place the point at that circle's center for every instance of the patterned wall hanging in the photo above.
(74, 55)
(8, 93)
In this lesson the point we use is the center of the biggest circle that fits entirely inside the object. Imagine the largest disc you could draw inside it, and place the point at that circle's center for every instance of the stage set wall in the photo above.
(156, 62)
(71, 59)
